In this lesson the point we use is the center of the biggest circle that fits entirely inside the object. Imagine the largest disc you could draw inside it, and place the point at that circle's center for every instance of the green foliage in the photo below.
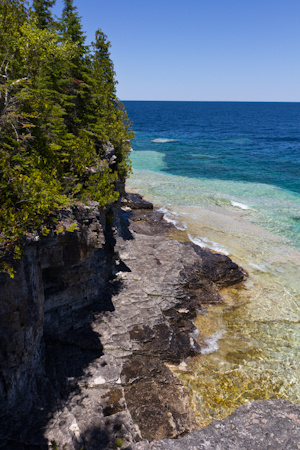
(54, 446)
(58, 107)
(72, 228)
(70, 26)
(119, 443)
(43, 15)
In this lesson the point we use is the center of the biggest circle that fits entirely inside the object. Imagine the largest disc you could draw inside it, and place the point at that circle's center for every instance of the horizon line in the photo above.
(217, 101)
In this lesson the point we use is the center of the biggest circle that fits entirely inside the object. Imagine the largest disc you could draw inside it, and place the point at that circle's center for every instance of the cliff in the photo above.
(88, 327)
(57, 276)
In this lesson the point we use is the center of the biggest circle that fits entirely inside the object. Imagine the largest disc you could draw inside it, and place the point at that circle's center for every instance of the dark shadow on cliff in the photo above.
(74, 272)
(123, 229)
(70, 358)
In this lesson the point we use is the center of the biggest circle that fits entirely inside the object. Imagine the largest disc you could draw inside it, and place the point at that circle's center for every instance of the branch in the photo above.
(7, 91)
(4, 60)
(19, 81)
(6, 67)
(15, 132)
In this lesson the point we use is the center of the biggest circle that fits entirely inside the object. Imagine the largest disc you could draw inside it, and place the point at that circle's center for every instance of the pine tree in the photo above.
(58, 106)
(79, 71)
(43, 13)
(110, 118)
(104, 68)
(70, 24)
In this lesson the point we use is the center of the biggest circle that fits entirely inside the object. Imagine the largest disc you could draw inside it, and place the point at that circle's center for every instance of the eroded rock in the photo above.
(84, 355)
(257, 425)
(156, 399)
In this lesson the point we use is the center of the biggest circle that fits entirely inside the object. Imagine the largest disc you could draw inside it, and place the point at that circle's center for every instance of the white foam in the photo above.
(204, 242)
(267, 268)
(193, 342)
(165, 210)
(212, 343)
(240, 205)
(169, 217)
(279, 269)
(162, 140)
(195, 333)
(260, 267)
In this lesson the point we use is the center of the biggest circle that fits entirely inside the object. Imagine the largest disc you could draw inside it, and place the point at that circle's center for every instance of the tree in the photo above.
(111, 119)
(79, 87)
(42, 10)
(70, 25)
(31, 126)
(53, 124)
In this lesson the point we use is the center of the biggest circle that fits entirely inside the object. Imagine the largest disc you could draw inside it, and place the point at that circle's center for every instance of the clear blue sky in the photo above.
(204, 50)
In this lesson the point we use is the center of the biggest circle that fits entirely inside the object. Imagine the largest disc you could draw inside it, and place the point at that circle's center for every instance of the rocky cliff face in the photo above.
(89, 327)
(57, 275)
(84, 354)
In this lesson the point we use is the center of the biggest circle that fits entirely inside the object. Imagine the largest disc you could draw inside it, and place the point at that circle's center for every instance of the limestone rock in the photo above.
(88, 325)
(156, 399)
(136, 201)
(267, 424)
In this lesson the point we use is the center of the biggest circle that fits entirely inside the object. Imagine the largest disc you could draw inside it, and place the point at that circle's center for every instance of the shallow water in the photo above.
(250, 344)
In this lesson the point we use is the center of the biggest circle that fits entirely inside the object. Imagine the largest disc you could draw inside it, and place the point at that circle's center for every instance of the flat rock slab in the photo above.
(109, 367)
(136, 201)
(262, 425)
(106, 377)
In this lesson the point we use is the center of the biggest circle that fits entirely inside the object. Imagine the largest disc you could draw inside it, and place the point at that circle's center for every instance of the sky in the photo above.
(200, 50)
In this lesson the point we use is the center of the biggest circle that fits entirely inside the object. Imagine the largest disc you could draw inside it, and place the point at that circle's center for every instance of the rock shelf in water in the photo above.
(87, 361)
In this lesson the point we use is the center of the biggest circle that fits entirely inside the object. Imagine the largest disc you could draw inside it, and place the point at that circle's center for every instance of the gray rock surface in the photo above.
(136, 201)
(262, 425)
(88, 325)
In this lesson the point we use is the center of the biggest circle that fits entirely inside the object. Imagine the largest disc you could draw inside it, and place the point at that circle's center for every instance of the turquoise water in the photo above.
(218, 153)
(229, 174)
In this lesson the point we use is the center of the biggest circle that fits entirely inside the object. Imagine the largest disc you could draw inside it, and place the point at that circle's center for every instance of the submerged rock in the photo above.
(157, 400)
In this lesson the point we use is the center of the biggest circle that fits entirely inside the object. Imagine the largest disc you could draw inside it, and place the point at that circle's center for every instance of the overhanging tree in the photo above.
(53, 124)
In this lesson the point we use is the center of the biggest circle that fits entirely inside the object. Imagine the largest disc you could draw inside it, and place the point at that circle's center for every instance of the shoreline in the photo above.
(106, 375)
(116, 302)
(241, 425)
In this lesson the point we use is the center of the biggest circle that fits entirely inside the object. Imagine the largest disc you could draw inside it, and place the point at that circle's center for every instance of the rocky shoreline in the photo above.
(100, 378)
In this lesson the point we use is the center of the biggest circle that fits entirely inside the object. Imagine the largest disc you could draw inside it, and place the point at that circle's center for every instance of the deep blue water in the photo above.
(253, 142)
(221, 152)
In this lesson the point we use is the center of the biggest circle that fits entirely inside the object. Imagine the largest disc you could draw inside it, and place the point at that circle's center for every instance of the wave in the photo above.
(202, 156)
(171, 217)
(239, 140)
(260, 267)
(240, 205)
(163, 140)
(207, 243)
(211, 343)
(267, 268)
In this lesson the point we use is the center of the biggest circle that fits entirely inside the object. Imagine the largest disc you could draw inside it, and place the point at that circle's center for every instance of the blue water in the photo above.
(245, 152)
(229, 174)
